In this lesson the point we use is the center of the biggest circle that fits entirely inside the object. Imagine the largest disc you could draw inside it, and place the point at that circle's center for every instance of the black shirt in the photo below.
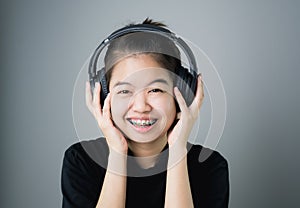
(84, 168)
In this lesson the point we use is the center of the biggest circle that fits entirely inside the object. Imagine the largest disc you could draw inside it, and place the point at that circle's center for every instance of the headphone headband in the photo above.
(142, 28)
(138, 28)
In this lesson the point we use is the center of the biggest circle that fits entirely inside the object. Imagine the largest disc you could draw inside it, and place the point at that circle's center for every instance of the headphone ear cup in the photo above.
(101, 78)
(186, 83)
(92, 84)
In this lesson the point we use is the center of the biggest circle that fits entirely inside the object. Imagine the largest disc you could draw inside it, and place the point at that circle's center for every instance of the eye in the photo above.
(156, 90)
(123, 92)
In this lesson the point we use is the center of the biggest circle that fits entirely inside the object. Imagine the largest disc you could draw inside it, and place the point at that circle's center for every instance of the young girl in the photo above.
(145, 159)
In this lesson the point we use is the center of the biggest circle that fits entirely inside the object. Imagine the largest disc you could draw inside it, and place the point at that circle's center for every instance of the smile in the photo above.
(141, 122)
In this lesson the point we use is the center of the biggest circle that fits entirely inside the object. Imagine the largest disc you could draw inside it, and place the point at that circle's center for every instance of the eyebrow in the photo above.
(163, 81)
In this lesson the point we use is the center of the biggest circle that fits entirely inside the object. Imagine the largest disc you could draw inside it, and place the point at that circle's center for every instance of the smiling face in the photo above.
(142, 102)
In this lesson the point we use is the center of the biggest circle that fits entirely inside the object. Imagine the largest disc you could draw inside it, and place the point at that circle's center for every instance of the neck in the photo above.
(147, 153)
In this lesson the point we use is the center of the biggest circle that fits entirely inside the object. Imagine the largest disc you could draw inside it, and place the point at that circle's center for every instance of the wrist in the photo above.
(178, 147)
(177, 153)
(117, 162)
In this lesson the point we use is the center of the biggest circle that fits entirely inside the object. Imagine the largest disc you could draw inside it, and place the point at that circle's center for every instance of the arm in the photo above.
(178, 191)
(113, 193)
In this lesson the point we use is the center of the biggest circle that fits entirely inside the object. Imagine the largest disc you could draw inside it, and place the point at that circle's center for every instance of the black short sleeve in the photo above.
(209, 179)
(84, 168)
(81, 177)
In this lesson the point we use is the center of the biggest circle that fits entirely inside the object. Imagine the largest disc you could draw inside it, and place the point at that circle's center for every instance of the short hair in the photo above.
(162, 49)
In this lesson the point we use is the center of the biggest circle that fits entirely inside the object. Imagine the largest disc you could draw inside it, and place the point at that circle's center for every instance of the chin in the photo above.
(142, 139)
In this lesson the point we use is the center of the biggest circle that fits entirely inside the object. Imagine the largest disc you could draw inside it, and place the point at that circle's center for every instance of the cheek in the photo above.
(118, 108)
(166, 105)
(171, 108)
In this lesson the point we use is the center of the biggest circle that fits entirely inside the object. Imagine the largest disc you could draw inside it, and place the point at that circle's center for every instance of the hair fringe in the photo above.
(149, 21)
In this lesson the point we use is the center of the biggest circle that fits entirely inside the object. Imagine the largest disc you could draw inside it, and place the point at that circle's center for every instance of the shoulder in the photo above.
(92, 152)
(206, 159)
(203, 154)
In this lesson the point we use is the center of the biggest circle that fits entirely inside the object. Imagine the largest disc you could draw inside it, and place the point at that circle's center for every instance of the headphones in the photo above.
(186, 79)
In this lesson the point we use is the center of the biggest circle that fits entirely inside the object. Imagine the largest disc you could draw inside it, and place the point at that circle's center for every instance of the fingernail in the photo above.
(176, 90)
(200, 76)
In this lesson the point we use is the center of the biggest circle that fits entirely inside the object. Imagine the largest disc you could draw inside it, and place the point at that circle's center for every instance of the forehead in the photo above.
(140, 68)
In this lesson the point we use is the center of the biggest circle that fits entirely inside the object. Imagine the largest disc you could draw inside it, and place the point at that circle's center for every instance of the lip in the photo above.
(142, 125)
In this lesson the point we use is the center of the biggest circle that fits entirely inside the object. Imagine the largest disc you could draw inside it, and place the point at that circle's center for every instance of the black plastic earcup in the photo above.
(101, 78)
(186, 83)
(104, 86)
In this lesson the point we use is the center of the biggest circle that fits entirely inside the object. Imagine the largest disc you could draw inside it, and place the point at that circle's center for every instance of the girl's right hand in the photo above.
(115, 139)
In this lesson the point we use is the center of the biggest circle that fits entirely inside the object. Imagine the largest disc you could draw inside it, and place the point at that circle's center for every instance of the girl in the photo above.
(145, 159)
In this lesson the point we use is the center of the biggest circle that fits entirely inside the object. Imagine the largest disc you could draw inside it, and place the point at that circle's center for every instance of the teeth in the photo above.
(139, 122)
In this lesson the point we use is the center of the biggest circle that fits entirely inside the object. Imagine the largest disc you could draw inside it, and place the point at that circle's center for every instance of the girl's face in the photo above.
(142, 102)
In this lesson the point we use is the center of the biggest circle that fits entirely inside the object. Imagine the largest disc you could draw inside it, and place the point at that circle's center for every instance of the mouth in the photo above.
(142, 123)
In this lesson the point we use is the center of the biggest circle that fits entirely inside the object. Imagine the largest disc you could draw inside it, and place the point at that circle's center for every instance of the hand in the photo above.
(115, 139)
(179, 134)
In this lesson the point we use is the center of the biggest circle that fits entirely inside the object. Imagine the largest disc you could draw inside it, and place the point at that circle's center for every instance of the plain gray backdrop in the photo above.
(254, 45)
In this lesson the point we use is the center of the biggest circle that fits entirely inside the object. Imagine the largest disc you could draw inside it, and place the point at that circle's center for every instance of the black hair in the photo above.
(160, 48)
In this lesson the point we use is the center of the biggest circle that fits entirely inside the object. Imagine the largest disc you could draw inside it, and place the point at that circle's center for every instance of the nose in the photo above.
(139, 102)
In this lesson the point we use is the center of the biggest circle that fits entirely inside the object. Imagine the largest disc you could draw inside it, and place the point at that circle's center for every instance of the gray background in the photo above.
(254, 45)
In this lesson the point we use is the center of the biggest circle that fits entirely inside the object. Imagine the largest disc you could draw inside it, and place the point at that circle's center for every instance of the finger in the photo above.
(197, 102)
(178, 115)
(96, 94)
(88, 95)
(181, 102)
(96, 100)
(106, 108)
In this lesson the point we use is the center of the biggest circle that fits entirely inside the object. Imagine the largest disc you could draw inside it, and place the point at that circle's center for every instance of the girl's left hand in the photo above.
(179, 134)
